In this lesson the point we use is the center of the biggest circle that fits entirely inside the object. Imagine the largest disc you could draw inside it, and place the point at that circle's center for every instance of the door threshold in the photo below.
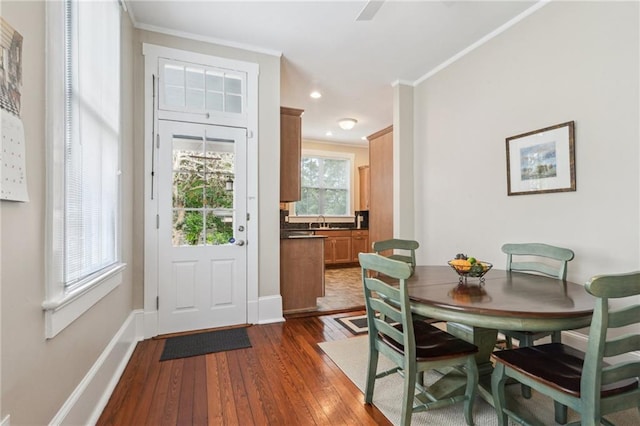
(321, 313)
(203, 330)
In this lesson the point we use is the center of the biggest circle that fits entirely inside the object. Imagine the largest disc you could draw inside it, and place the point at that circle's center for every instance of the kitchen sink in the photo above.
(329, 228)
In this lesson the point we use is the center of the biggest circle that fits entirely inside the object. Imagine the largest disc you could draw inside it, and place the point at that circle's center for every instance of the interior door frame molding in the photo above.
(152, 54)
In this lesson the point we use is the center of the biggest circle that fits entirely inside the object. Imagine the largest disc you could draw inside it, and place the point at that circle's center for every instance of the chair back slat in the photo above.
(559, 255)
(386, 329)
(625, 316)
(539, 267)
(618, 372)
(383, 308)
(622, 344)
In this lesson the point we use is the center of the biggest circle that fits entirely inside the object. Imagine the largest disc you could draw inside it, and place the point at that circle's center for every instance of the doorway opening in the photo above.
(342, 290)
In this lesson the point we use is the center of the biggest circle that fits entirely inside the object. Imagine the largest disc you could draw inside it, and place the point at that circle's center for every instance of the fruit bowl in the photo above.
(465, 269)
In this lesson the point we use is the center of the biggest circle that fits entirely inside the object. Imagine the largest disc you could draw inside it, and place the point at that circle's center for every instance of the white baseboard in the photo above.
(86, 402)
(270, 309)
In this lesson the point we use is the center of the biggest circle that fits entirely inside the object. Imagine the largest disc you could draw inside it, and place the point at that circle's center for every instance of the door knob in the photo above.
(239, 242)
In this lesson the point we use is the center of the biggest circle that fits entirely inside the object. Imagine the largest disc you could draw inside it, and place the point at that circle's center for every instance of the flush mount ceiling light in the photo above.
(347, 123)
(315, 94)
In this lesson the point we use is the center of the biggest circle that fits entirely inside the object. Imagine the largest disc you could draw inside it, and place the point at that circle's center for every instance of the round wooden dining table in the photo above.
(475, 310)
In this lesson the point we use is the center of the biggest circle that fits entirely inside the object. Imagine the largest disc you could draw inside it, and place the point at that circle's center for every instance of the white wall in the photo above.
(38, 375)
(568, 61)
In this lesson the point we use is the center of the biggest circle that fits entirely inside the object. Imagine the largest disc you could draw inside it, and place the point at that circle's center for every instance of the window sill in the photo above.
(62, 311)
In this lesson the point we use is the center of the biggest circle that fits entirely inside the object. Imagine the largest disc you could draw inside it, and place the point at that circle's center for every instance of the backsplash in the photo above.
(286, 225)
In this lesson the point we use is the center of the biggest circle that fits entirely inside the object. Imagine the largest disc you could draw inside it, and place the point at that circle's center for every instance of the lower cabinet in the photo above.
(301, 273)
(337, 246)
(343, 246)
(359, 243)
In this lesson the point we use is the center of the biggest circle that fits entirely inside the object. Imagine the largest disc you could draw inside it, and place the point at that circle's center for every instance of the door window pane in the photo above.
(202, 191)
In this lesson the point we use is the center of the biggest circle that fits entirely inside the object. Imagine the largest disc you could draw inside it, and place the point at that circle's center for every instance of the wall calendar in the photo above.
(13, 173)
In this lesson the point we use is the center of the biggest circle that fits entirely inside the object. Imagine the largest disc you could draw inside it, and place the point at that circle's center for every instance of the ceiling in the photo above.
(353, 63)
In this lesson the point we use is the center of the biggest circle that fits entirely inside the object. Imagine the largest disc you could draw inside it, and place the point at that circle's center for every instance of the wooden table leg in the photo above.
(453, 382)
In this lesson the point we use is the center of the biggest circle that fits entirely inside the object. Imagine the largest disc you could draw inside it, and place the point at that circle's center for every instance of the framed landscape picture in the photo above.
(542, 161)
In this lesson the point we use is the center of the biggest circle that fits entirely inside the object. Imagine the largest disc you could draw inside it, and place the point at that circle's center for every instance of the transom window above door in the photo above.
(192, 87)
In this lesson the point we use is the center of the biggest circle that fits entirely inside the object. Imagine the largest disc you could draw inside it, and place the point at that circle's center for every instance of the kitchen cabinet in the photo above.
(337, 246)
(363, 174)
(381, 185)
(359, 243)
(301, 273)
(343, 246)
(290, 153)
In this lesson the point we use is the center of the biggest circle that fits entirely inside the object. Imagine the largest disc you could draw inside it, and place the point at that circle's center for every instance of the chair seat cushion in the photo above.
(556, 365)
(433, 343)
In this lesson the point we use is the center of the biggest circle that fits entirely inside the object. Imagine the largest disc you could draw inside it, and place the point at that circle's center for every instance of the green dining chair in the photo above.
(407, 249)
(584, 382)
(413, 346)
(541, 259)
(537, 257)
(404, 251)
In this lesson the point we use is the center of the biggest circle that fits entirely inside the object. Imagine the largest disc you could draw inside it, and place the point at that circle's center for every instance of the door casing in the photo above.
(152, 54)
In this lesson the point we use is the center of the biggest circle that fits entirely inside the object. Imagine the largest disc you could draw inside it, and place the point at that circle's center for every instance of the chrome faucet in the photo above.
(321, 222)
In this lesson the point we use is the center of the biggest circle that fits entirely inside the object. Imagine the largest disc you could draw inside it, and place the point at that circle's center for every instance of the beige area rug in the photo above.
(350, 355)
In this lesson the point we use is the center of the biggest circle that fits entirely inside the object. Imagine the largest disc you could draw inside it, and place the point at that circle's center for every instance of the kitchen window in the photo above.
(83, 192)
(326, 185)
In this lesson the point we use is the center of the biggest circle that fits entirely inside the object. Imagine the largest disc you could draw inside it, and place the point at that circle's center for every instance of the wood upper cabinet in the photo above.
(359, 243)
(381, 185)
(363, 173)
(290, 153)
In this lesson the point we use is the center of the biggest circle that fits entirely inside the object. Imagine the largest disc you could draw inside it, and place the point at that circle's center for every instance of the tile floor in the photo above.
(342, 289)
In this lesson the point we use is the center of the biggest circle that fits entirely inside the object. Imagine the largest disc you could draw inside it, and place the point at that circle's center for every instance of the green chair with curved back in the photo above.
(538, 258)
(404, 251)
(413, 346)
(408, 249)
(585, 382)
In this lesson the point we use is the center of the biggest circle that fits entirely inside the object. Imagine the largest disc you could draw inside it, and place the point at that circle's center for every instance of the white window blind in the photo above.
(92, 135)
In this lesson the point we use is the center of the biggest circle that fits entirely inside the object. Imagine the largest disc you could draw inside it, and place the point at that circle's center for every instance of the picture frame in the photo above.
(542, 161)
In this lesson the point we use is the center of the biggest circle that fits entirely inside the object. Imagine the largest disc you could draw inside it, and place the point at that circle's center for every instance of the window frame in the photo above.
(64, 304)
(335, 155)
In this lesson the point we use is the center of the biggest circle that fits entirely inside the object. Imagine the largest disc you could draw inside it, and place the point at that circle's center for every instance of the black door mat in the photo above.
(205, 343)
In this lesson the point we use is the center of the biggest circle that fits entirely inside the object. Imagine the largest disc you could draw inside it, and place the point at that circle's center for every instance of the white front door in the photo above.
(202, 220)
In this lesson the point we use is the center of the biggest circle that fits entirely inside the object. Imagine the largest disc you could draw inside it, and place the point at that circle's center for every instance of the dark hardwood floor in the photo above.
(283, 379)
